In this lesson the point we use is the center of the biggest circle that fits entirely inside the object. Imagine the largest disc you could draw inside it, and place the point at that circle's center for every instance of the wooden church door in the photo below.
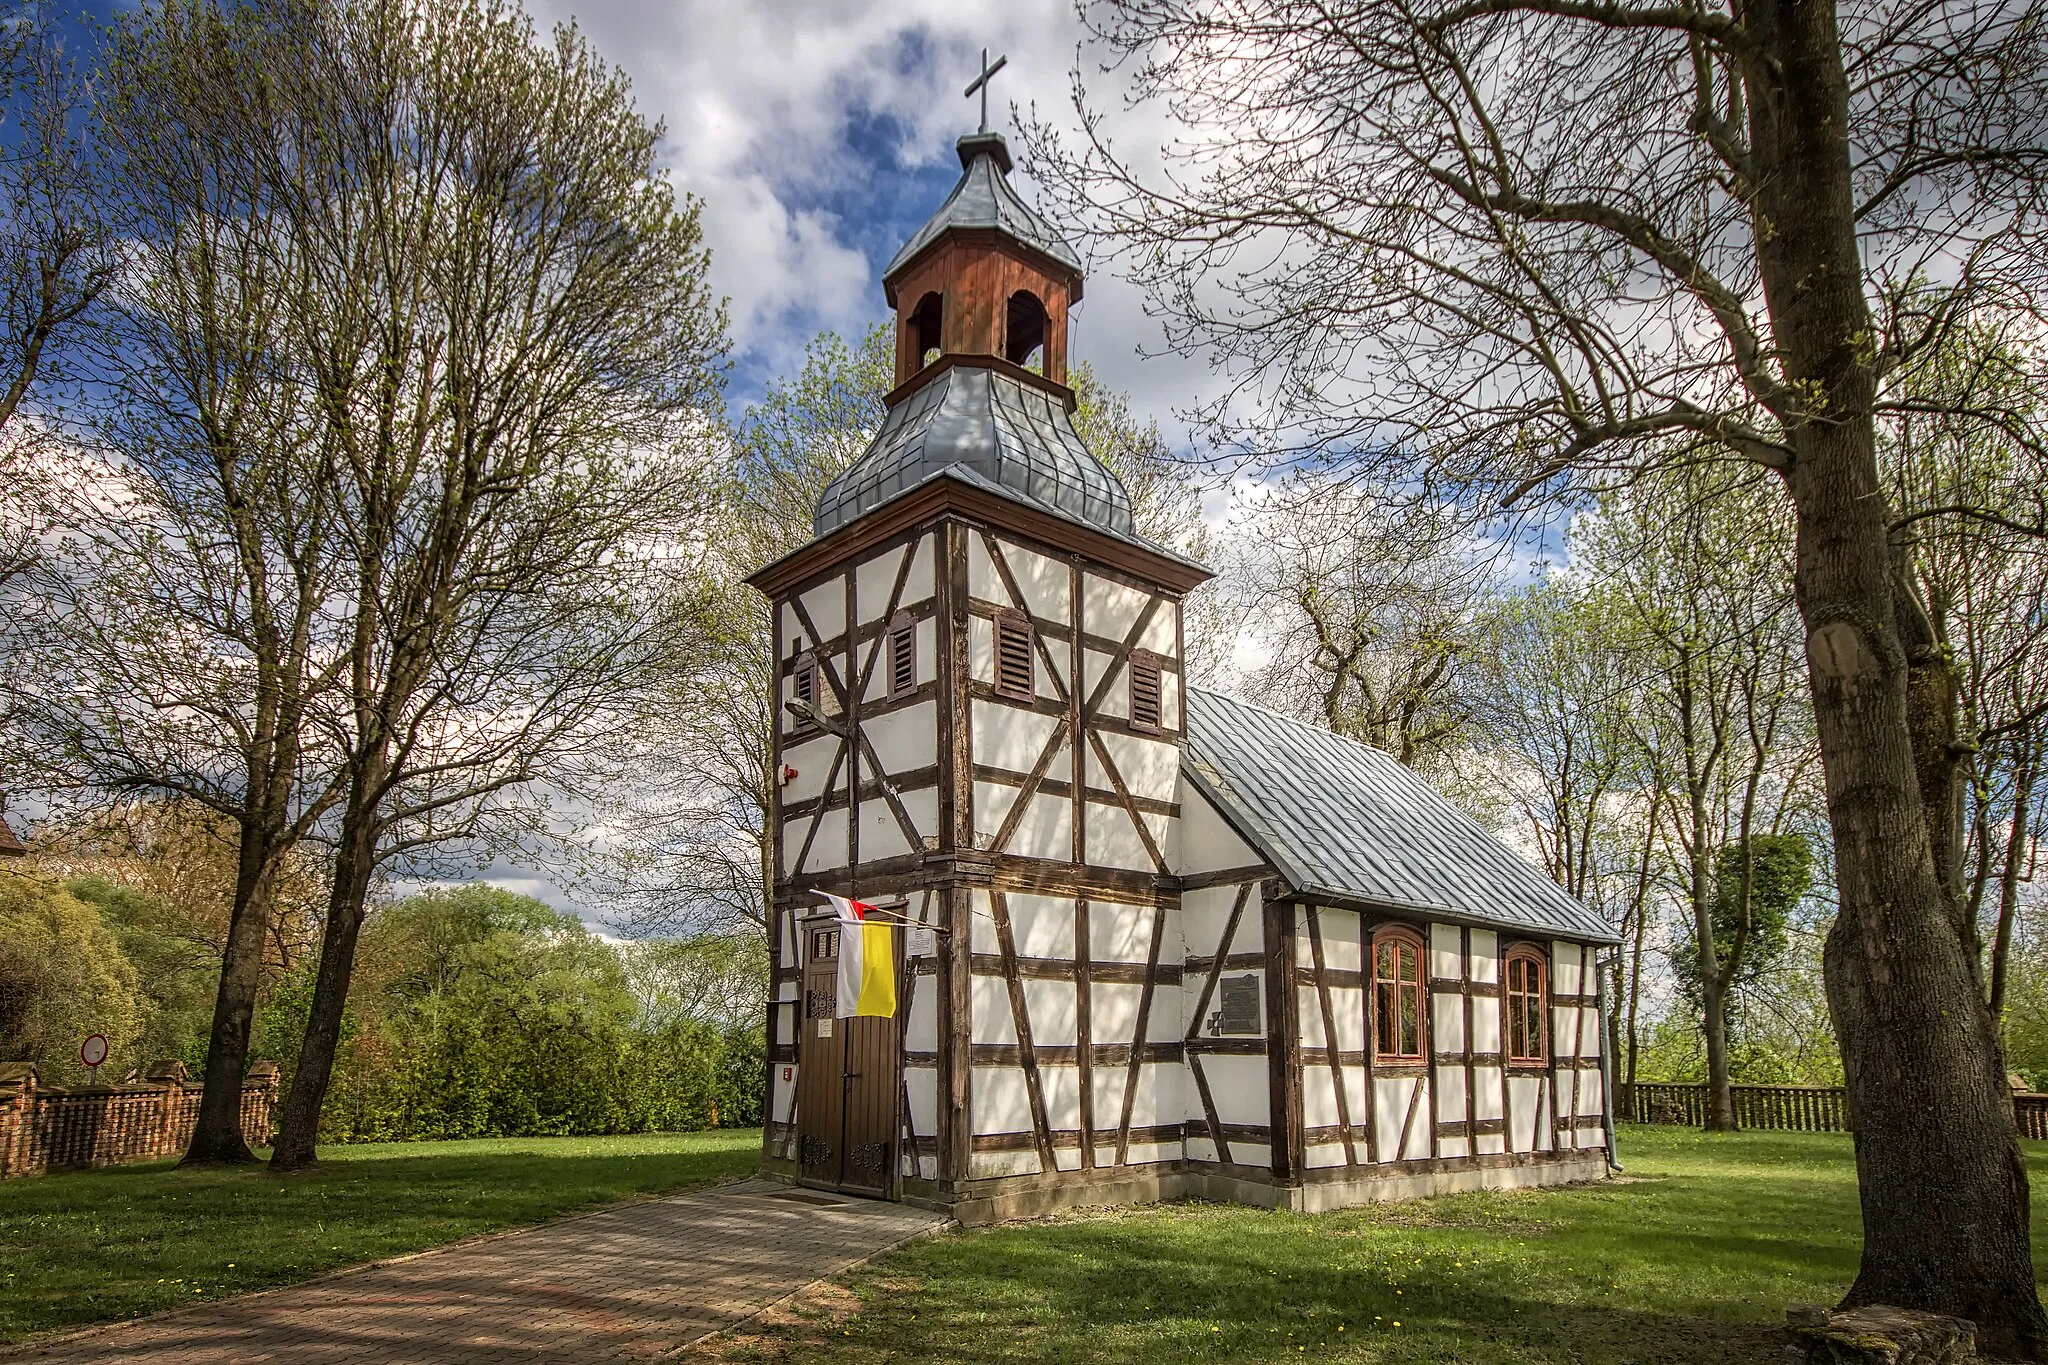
(847, 1082)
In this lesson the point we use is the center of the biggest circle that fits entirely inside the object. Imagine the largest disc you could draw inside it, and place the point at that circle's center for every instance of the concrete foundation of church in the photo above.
(979, 1202)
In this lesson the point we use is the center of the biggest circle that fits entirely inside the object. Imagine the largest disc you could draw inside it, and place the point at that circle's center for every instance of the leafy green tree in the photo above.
(62, 977)
(1759, 885)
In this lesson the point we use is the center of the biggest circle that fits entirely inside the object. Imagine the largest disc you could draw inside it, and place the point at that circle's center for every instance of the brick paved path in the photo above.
(631, 1284)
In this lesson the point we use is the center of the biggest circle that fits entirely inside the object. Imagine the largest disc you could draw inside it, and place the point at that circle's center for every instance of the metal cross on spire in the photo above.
(981, 83)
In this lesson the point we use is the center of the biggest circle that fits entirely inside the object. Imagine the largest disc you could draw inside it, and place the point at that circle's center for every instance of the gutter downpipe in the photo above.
(1600, 966)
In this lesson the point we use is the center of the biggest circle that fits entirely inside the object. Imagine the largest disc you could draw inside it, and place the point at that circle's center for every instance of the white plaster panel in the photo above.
(1446, 955)
(1162, 827)
(1041, 578)
(881, 835)
(982, 583)
(1110, 608)
(1486, 1092)
(1113, 840)
(783, 1092)
(1310, 1011)
(1115, 700)
(1051, 1007)
(812, 760)
(922, 807)
(1162, 632)
(1165, 1024)
(1319, 1154)
(989, 1001)
(1450, 1093)
(920, 585)
(905, 740)
(1108, 1084)
(785, 1021)
(1341, 931)
(792, 628)
(1446, 1022)
(872, 582)
(1140, 1153)
(1564, 968)
(1169, 700)
(1319, 1093)
(828, 850)
(1041, 926)
(1010, 737)
(1347, 1005)
(788, 937)
(1061, 1086)
(1205, 842)
(1158, 1099)
(983, 933)
(1485, 1024)
(1485, 955)
(1205, 913)
(1000, 1102)
(1389, 1109)
(992, 802)
(785, 990)
(1113, 1012)
(1564, 1026)
(1119, 933)
(827, 605)
(1239, 1087)
(1526, 1091)
(1066, 1158)
(995, 1165)
(921, 1029)
(1062, 664)
(1150, 768)
(921, 1088)
(1418, 1136)
(1047, 830)
(1241, 1153)
(981, 649)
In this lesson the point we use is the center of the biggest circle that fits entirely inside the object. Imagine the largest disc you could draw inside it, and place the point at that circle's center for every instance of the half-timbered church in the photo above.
(1168, 942)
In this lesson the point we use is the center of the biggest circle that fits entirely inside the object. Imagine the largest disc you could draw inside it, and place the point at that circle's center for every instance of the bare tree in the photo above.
(1368, 606)
(1507, 244)
(510, 346)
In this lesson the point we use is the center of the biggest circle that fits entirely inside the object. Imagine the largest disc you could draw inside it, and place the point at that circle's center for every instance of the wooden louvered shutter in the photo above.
(1146, 704)
(1015, 675)
(803, 685)
(902, 655)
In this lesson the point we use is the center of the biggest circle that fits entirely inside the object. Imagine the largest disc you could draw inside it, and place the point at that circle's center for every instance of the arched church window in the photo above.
(1399, 1025)
(1527, 1008)
(1024, 332)
(927, 328)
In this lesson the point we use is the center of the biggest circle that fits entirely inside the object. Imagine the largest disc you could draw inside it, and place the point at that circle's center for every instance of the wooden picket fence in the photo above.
(1791, 1108)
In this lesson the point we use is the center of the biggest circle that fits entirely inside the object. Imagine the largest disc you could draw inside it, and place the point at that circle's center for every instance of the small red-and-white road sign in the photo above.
(93, 1050)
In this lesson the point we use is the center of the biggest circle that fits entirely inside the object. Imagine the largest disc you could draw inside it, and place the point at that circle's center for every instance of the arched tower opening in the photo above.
(1024, 332)
(925, 330)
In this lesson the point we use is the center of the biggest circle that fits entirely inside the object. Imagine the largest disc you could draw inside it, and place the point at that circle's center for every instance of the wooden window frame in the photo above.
(1144, 662)
(1539, 961)
(1011, 620)
(899, 654)
(1398, 936)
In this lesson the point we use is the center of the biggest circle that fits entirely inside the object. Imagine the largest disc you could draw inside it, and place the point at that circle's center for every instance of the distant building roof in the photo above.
(983, 199)
(1342, 819)
(10, 847)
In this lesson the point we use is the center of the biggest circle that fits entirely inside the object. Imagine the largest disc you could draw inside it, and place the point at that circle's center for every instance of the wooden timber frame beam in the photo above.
(1283, 1035)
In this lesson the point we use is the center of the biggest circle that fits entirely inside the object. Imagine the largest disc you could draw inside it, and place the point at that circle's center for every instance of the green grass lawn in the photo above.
(1692, 1257)
(92, 1245)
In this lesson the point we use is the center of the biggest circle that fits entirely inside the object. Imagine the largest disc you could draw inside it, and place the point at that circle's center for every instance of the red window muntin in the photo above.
(1400, 996)
(1526, 1012)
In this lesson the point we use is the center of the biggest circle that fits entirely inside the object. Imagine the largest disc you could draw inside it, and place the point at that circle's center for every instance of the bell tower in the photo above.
(978, 720)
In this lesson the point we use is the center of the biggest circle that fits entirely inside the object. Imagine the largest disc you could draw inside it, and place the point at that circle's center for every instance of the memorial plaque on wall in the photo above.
(1239, 1012)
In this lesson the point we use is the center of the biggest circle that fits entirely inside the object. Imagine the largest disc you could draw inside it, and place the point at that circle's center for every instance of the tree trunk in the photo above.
(354, 864)
(1720, 1090)
(1942, 1186)
(217, 1134)
(2009, 886)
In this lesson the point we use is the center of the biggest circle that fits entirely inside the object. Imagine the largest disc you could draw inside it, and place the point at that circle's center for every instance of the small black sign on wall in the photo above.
(1239, 1012)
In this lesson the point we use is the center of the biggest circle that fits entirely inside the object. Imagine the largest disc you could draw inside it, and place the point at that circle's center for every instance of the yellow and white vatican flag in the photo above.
(867, 961)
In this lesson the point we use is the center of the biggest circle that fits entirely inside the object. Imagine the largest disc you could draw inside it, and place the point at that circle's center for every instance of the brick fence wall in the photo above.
(71, 1127)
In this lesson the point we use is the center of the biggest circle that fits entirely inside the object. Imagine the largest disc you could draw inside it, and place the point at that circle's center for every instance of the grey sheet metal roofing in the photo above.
(1017, 439)
(984, 199)
(1343, 820)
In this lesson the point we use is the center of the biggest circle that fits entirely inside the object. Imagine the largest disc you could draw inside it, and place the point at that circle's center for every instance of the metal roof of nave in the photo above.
(1342, 819)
